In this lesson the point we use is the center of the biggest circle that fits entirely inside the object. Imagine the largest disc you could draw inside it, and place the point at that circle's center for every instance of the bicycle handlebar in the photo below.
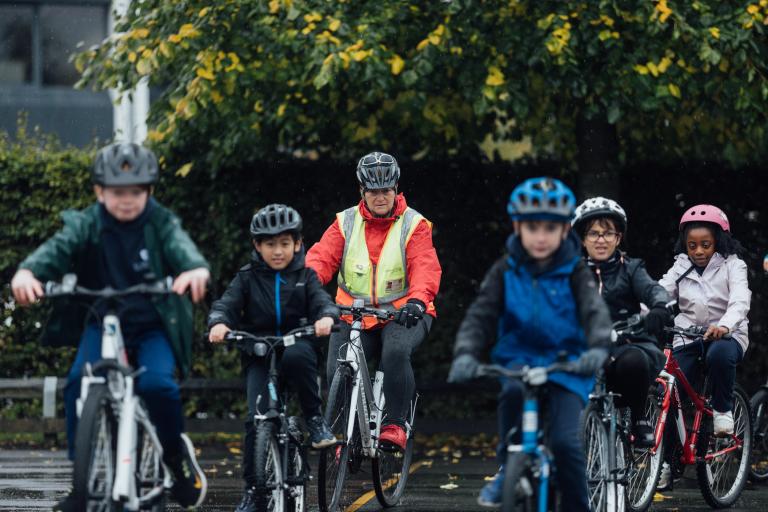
(632, 326)
(535, 376)
(68, 288)
(359, 310)
(694, 332)
(257, 345)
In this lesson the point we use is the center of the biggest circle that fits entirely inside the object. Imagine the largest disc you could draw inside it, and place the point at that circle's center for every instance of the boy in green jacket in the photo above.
(127, 238)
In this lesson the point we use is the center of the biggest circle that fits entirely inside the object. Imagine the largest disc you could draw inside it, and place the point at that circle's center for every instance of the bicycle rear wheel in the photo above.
(758, 470)
(267, 472)
(521, 485)
(644, 467)
(596, 447)
(334, 461)
(722, 478)
(296, 494)
(150, 472)
(95, 452)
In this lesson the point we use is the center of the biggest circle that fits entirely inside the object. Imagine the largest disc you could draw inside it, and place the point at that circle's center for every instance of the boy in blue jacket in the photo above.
(539, 300)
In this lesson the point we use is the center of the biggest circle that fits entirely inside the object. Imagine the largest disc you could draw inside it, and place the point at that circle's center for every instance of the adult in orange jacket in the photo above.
(383, 253)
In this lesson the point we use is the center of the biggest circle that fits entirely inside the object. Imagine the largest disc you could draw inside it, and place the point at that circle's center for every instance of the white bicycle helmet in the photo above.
(596, 207)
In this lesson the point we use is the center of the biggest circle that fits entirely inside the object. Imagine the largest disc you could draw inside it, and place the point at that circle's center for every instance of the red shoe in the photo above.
(393, 437)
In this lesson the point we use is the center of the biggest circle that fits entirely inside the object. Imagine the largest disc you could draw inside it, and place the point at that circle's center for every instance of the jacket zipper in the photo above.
(535, 283)
(277, 302)
(373, 286)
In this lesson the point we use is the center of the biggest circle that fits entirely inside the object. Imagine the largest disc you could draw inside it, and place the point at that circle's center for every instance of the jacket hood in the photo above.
(568, 251)
(399, 208)
(297, 263)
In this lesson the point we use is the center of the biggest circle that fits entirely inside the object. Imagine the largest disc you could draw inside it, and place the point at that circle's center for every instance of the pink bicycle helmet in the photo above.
(706, 213)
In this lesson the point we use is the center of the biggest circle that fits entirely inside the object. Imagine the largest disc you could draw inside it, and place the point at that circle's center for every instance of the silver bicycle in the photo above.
(118, 457)
(355, 410)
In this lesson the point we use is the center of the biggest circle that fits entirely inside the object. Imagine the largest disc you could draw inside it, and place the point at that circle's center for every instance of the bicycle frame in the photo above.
(367, 401)
(671, 377)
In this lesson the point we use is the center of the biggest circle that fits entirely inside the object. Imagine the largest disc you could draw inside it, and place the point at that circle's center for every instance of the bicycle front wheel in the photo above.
(596, 447)
(521, 485)
(390, 473)
(267, 472)
(758, 471)
(644, 466)
(723, 469)
(296, 494)
(95, 452)
(334, 461)
(150, 472)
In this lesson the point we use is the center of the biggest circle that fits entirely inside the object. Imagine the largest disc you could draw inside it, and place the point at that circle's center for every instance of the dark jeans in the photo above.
(631, 373)
(298, 370)
(564, 410)
(156, 386)
(393, 345)
(721, 358)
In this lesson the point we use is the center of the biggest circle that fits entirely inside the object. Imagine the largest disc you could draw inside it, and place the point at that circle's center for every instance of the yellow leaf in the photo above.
(674, 90)
(334, 25)
(274, 6)
(204, 73)
(281, 110)
(652, 68)
(456, 50)
(423, 44)
(143, 67)
(313, 16)
(164, 49)
(203, 11)
(139, 33)
(396, 64)
(328, 59)
(643, 70)
(604, 34)
(344, 56)
(664, 64)
(174, 38)
(188, 30)
(495, 77)
(360, 55)
(132, 57)
(258, 106)
(184, 170)
(714, 32)
(216, 96)
(753, 9)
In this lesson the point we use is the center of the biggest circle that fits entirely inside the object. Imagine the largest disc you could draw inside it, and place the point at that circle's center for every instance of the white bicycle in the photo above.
(355, 410)
(118, 457)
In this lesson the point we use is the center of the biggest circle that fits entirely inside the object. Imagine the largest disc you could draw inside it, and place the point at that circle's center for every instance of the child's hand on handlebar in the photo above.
(26, 287)
(715, 332)
(323, 326)
(217, 333)
(194, 280)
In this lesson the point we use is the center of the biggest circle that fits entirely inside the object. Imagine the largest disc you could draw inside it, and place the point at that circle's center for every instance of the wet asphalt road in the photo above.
(36, 479)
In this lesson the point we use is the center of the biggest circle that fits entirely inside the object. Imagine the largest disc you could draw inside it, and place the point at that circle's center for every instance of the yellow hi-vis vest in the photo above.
(381, 284)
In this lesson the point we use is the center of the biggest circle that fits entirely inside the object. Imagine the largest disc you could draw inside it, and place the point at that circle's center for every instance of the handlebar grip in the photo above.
(335, 328)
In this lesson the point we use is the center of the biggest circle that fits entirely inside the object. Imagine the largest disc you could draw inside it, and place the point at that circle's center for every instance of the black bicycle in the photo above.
(281, 468)
(758, 469)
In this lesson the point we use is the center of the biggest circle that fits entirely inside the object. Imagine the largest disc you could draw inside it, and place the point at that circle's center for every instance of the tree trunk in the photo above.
(598, 159)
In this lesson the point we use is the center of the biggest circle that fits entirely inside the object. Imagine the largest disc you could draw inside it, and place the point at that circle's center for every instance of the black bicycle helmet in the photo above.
(122, 164)
(378, 170)
(274, 219)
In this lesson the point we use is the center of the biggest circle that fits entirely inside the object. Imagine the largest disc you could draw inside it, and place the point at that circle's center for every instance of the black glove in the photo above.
(463, 368)
(590, 361)
(656, 319)
(410, 314)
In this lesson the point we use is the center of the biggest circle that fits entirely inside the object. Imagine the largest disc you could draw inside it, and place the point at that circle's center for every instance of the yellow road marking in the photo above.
(365, 498)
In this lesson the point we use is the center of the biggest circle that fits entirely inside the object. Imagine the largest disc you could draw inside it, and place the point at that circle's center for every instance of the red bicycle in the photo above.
(722, 463)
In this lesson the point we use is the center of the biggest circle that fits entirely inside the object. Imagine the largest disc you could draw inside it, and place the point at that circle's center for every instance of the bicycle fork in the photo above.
(124, 489)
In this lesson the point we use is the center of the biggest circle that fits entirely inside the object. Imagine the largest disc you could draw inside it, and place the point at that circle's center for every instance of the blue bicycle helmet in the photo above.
(542, 199)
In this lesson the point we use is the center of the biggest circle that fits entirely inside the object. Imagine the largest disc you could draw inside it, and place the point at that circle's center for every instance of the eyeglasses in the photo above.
(608, 236)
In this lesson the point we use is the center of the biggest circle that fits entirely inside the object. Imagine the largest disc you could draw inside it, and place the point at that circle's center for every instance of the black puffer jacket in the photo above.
(263, 301)
(625, 284)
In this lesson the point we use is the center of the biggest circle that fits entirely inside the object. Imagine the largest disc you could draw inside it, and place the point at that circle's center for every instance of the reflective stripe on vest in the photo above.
(357, 277)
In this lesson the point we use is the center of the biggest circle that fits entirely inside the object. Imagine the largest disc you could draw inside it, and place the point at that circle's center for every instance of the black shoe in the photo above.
(319, 433)
(189, 482)
(68, 504)
(644, 434)
(248, 503)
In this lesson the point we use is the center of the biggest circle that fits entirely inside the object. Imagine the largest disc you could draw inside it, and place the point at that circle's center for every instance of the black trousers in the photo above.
(631, 372)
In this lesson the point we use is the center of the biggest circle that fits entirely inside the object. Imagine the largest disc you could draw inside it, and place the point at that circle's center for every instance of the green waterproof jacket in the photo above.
(75, 249)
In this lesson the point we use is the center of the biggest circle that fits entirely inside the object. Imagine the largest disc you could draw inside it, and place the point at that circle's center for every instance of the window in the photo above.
(37, 38)
(15, 44)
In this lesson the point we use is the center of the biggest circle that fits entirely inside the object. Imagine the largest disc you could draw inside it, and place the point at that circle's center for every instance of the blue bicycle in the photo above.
(528, 482)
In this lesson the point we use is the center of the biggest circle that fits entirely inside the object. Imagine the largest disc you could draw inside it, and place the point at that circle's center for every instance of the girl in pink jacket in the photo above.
(709, 281)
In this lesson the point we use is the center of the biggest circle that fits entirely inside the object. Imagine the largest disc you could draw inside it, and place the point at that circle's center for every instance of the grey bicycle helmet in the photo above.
(274, 219)
(596, 207)
(123, 164)
(378, 170)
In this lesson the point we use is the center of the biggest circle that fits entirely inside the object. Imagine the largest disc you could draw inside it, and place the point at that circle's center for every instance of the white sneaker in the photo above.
(665, 478)
(723, 423)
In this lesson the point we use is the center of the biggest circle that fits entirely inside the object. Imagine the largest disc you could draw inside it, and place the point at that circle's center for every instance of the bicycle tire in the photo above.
(758, 469)
(150, 471)
(390, 474)
(595, 439)
(334, 461)
(296, 496)
(95, 442)
(267, 472)
(616, 497)
(724, 496)
(643, 475)
(521, 486)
